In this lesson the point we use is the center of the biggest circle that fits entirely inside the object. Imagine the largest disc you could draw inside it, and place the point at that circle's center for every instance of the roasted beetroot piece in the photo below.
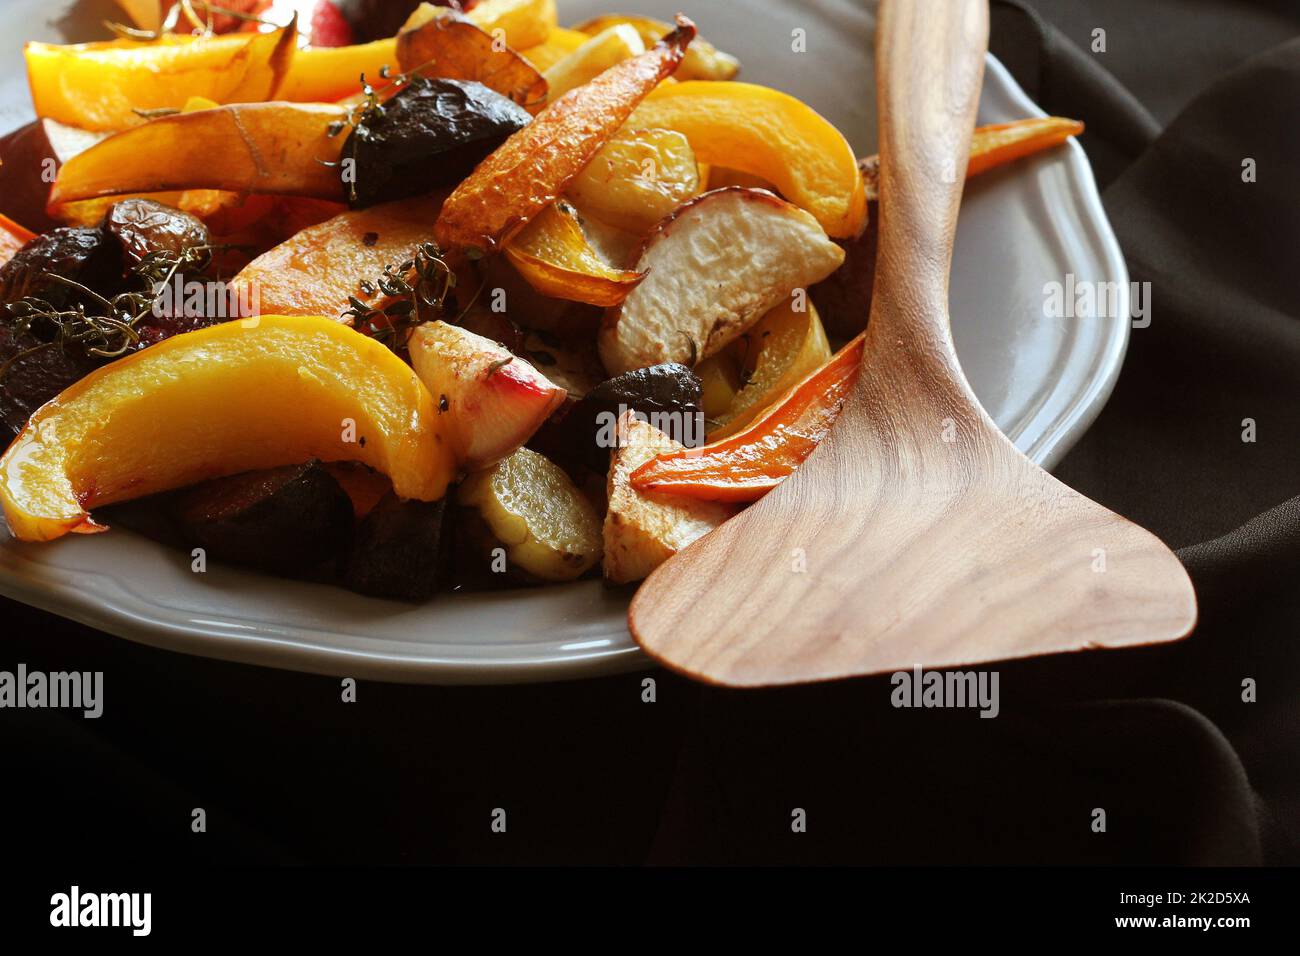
(380, 19)
(79, 254)
(583, 434)
(29, 158)
(142, 226)
(291, 520)
(432, 133)
(33, 373)
(397, 551)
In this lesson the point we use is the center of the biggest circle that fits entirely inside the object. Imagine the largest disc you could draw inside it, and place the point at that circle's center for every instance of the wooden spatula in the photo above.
(916, 534)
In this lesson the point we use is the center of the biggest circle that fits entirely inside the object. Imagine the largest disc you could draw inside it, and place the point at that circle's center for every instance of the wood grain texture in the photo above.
(916, 534)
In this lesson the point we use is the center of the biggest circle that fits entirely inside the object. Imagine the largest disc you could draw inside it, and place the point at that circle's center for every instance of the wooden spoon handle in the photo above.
(929, 67)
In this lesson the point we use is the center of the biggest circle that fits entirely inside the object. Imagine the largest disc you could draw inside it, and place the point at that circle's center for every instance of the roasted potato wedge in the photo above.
(637, 178)
(594, 57)
(703, 60)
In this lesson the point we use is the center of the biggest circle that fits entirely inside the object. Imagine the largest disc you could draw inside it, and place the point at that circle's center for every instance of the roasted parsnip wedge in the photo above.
(644, 529)
(550, 530)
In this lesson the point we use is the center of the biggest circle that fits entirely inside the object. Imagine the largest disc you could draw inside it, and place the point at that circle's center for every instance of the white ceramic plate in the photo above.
(1043, 380)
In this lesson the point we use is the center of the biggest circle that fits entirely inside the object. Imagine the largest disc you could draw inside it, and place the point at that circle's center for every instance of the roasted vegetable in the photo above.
(279, 148)
(492, 401)
(782, 349)
(559, 44)
(553, 253)
(668, 395)
(718, 265)
(522, 23)
(703, 61)
(1003, 143)
(142, 226)
(331, 74)
(34, 372)
(79, 255)
(398, 551)
(100, 86)
(12, 238)
(549, 529)
(593, 58)
(287, 520)
(533, 167)
(380, 19)
(643, 530)
(432, 133)
(29, 158)
(320, 269)
(231, 398)
(769, 134)
(455, 48)
(637, 178)
(749, 464)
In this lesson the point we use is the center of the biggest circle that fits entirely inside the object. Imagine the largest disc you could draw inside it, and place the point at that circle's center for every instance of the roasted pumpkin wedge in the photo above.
(553, 254)
(519, 23)
(231, 398)
(768, 134)
(328, 74)
(99, 86)
(276, 148)
(319, 270)
(774, 356)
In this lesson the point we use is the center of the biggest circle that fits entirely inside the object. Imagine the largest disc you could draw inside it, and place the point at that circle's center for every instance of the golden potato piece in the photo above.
(548, 527)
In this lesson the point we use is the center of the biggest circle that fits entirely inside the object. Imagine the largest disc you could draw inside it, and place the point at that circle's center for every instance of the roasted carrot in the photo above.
(747, 465)
(530, 170)
(999, 144)
(12, 238)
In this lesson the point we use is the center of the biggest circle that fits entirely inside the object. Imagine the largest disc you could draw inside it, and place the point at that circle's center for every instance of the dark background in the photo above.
(588, 773)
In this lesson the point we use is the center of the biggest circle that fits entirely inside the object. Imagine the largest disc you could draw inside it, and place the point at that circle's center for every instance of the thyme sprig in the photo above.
(98, 325)
(417, 290)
